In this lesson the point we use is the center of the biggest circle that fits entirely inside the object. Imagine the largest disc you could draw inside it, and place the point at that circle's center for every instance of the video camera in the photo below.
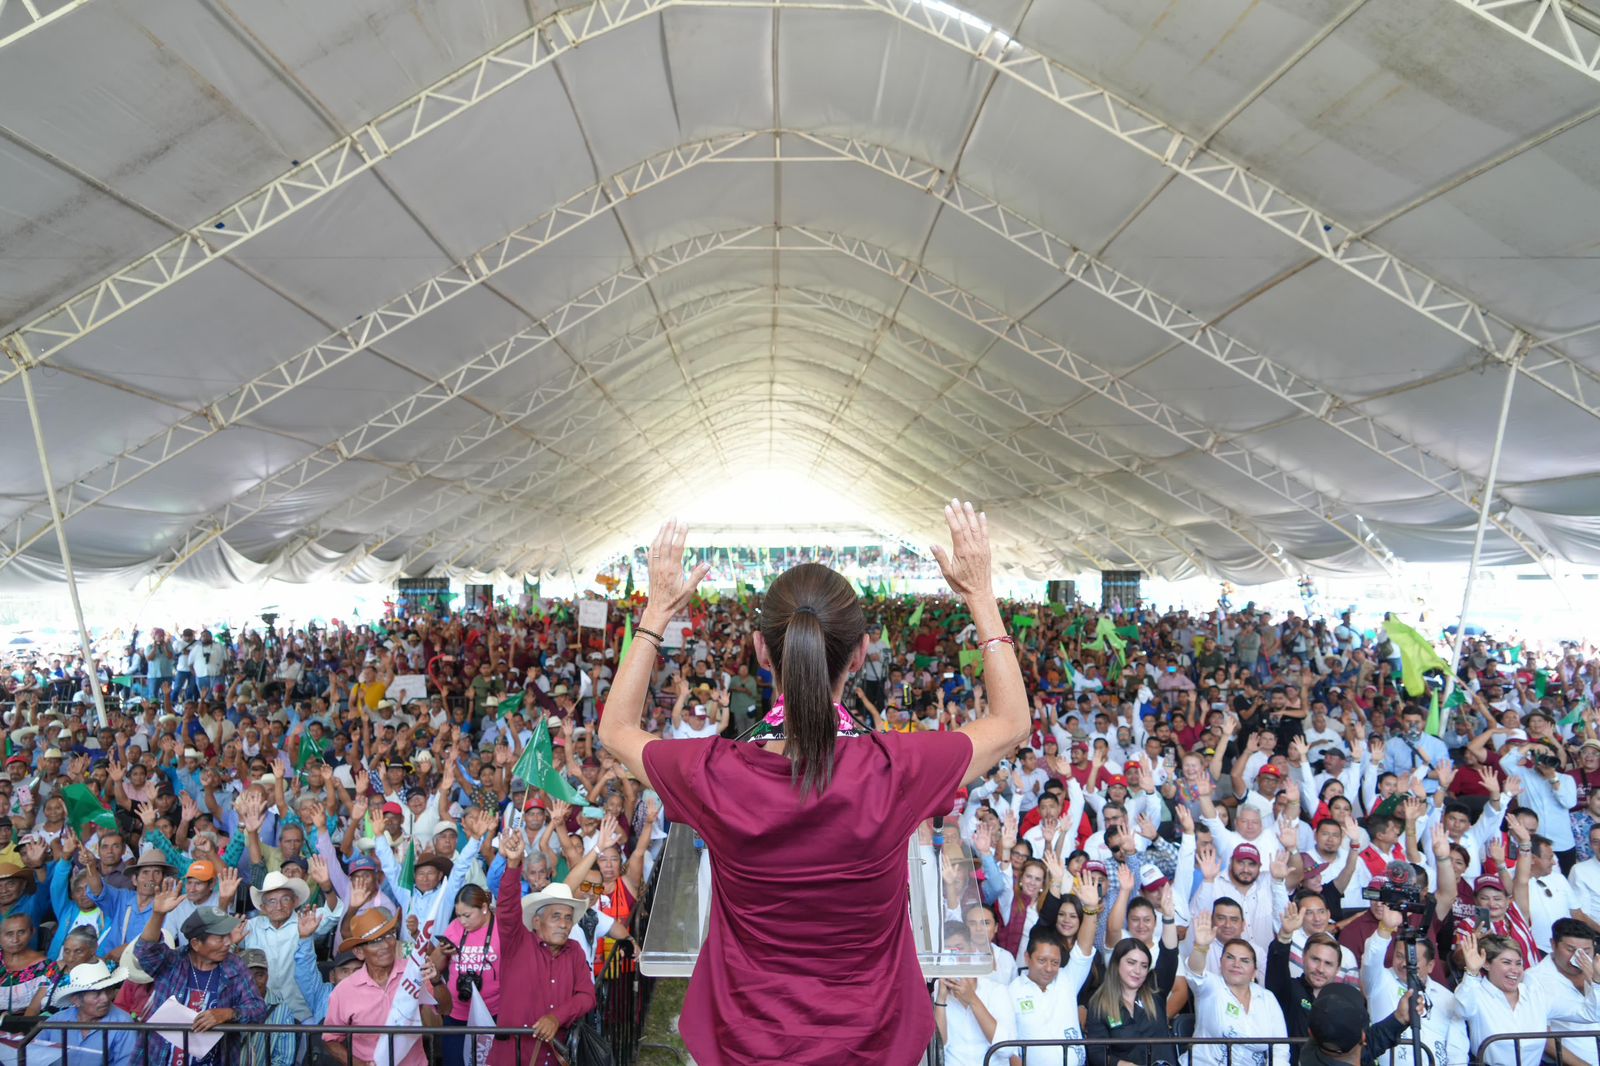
(1400, 891)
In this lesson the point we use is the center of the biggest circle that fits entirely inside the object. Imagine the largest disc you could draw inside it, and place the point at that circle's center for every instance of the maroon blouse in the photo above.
(808, 955)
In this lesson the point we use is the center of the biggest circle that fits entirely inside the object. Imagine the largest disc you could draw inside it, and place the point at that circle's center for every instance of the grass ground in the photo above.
(666, 1004)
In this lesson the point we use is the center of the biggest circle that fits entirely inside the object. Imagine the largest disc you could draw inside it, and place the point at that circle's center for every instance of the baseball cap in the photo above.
(394, 808)
(1338, 1018)
(1150, 878)
(1247, 852)
(1270, 771)
(254, 958)
(1488, 882)
(202, 870)
(208, 921)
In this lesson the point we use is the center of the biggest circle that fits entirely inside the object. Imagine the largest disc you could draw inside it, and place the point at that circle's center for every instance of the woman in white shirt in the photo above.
(1232, 1005)
(1494, 999)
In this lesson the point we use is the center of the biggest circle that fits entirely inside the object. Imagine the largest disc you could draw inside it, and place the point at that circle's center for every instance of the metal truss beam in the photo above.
(539, 45)
(597, 200)
(1129, 397)
(334, 166)
(1125, 514)
(360, 334)
(935, 356)
(1558, 28)
(1079, 522)
(691, 312)
(1343, 246)
(470, 375)
(18, 18)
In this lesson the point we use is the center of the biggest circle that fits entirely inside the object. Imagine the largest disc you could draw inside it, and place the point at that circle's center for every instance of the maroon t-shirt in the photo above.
(808, 957)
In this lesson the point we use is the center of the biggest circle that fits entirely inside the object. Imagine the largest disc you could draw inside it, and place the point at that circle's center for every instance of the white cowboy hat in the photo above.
(555, 892)
(276, 881)
(92, 977)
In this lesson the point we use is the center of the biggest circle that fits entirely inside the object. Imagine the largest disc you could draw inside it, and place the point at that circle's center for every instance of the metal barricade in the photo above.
(1237, 1050)
(1521, 1043)
(251, 1045)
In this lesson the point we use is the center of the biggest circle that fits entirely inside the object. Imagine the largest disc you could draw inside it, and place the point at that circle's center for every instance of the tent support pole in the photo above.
(17, 351)
(1513, 369)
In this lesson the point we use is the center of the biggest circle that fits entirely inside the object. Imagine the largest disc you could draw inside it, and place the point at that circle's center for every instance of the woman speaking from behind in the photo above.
(808, 956)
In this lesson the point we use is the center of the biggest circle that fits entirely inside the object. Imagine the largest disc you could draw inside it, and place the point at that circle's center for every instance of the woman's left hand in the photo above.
(670, 588)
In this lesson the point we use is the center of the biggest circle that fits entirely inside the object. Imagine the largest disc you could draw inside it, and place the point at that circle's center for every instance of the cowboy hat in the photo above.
(438, 862)
(555, 892)
(152, 857)
(275, 881)
(92, 977)
(368, 926)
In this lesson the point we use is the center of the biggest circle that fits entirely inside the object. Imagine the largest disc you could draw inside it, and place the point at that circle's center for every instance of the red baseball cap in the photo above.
(1248, 852)
(394, 808)
(1270, 769)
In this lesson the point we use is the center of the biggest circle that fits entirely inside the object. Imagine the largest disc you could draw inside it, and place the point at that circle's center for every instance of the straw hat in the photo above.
(555, 892)
(274, 882)
(368, 926)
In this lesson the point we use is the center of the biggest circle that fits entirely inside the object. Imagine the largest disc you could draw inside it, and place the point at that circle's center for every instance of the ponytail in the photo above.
(811, 623)
(808, 718)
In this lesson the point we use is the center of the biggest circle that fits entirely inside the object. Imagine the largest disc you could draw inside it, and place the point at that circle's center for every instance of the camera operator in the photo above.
(1546, 791)
(1385, 981)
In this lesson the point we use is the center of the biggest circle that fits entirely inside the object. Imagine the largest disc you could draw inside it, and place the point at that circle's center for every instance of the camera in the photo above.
(1545, 760)
(465, 983)
(1405, 898)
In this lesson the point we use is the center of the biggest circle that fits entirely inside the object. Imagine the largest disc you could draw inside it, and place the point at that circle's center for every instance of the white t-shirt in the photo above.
(1051, 1013)
(966, 1044)
(689, 732)
(1218, 1012)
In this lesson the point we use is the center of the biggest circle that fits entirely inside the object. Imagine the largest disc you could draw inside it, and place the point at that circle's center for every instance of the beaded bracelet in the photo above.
(984, 645)
(649, 633)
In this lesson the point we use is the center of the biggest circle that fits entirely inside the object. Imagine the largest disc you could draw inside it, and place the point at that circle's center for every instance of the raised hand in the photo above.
(227, 885)
(318, 870)
(1447, 774)
(1472, 956)
(1210, 864)
(1289, 833)
(560, 811)
(1291, 921)
(1168, 904)
(33, 853)
(147, 814)
(1054, 865)
(1513, 786)
(1440, 842)
(188, 810)
(1088, 893)
(511, 847)
(670, 588)
(1280, 865)
(166, 901)
(966, 565)
(983, 839)
(308, 922)
(1185, 820)
(1201, 932)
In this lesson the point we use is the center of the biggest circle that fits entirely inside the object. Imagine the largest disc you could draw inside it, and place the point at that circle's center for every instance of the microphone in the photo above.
(938, 830)
(1400, 874)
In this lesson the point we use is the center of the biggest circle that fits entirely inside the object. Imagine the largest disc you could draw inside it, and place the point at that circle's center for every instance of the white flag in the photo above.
(404, 1012)
(478, 1014)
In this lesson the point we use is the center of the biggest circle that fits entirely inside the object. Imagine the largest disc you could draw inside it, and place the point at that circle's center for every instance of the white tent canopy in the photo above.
(1230, 287)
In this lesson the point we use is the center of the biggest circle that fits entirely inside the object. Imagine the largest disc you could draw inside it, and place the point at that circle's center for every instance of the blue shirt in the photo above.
(1399, 758)
(86, 1047)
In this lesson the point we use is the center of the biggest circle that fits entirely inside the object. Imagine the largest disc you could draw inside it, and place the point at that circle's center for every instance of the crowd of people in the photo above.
(1223, 823)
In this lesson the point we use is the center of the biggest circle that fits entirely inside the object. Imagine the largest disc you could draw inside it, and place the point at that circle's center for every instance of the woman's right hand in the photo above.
(966, 565)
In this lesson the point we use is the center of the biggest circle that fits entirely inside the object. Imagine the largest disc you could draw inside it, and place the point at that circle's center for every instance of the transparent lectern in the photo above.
(682, 907)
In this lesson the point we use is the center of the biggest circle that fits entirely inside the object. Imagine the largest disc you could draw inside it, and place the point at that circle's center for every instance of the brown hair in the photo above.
(812, 623)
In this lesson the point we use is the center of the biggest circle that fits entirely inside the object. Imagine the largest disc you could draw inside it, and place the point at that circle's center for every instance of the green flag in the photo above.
(1076, 627)
(1058, 609)
(1416, 656)
(1066, 662)
(85, 808)
(916, 616)
(1023, 621)
(125, 680)
(1457, 698)
(856, 585)
(508, 705)
(627, 590)
(408, 869)
(309, 749)
(627, 633)
(1541, 681)
(1128, 632)
(973, 656)
(1105, 636)
(1574, 716)
(1515, 655)
(537, 768)
(1435, 722)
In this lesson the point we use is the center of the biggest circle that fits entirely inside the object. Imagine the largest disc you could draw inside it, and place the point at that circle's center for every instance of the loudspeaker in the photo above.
(1062, 592)
(1119, 588)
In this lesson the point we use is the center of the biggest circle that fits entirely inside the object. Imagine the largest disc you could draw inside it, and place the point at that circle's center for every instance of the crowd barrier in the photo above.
(1237, 1051)
(1587, 1039)
(252, 1044)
